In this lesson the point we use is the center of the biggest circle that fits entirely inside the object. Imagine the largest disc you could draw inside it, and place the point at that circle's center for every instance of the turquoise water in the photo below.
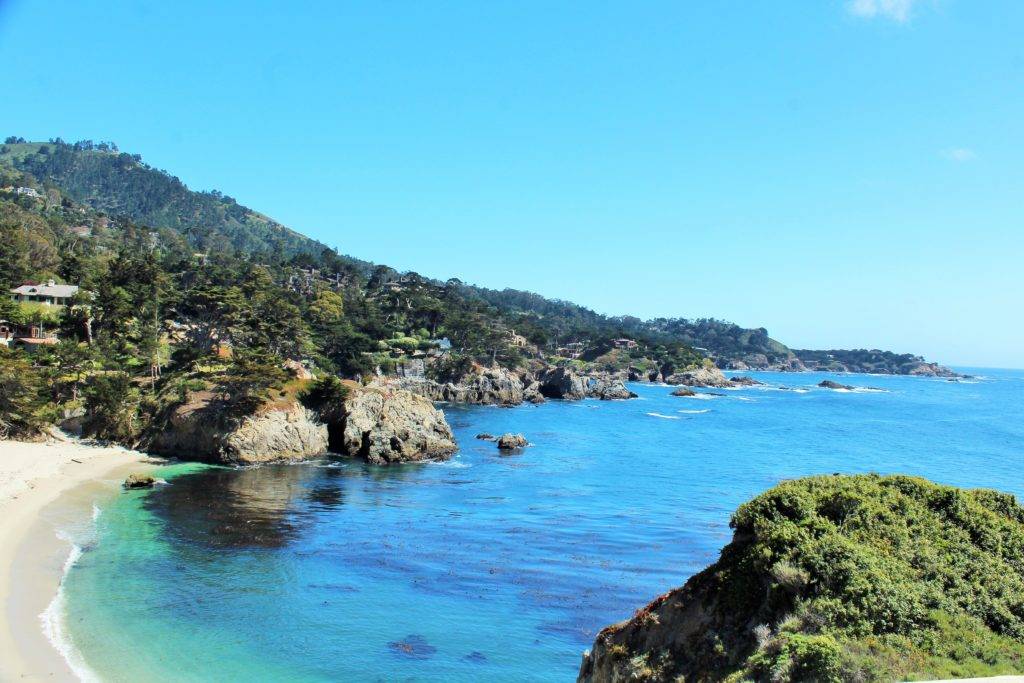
(492, 567)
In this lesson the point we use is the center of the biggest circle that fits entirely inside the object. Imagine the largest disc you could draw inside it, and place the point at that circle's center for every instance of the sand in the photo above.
(41, 486)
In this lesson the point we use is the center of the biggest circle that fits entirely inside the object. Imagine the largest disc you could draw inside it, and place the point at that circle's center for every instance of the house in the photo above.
(624, 344)
(50, 294)
(27, 192)
(28, 337)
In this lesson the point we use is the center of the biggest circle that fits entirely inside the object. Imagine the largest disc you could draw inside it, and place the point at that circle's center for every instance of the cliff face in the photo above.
(384, 425)
(379, 426)
(491, 386)
(840, 578)
(199, 430)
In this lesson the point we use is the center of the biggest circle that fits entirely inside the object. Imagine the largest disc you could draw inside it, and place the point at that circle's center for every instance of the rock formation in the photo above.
(379, 425)
(385, 426)
(701, 377)
(200, 429)
(509, 442)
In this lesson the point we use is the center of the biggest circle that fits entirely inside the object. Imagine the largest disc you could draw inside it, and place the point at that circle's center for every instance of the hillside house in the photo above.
(27, 192)
(28, 337)
(49, 294)
(624, 344)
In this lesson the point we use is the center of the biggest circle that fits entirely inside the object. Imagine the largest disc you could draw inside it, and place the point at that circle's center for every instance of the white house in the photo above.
(50, 293)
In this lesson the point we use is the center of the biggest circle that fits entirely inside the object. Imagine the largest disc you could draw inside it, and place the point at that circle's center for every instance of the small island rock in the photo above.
(139, 481)
(509, 442)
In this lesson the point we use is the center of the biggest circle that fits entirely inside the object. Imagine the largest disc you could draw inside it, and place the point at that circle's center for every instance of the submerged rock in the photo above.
(744, 381)
(413, 646)
(486, 437)
(684, 391)
(510, 441)
(139, 481)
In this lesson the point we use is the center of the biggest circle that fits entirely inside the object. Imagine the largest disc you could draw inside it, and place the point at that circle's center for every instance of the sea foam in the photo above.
(53, 617)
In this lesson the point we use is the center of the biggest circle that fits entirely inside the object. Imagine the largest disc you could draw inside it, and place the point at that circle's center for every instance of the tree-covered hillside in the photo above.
(121, 184)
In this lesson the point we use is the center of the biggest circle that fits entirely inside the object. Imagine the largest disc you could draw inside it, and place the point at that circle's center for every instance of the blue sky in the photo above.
(846, 174)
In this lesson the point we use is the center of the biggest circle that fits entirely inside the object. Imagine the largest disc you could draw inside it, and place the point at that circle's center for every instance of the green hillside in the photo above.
(841, 578)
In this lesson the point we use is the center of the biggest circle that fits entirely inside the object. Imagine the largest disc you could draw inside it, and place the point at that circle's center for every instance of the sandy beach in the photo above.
(41, 486)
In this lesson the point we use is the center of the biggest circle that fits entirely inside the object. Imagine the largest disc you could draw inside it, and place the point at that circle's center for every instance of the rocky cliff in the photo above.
(840, 578)
(384, 425)
(489, 386)
(381, 426)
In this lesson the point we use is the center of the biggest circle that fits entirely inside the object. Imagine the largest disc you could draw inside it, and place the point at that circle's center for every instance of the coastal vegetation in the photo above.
(841, 578)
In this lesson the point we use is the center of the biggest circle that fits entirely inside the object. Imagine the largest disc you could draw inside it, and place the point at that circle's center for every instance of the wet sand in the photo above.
(44, 487)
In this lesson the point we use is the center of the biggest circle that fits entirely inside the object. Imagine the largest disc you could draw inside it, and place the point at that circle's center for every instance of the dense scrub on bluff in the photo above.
(841, 578)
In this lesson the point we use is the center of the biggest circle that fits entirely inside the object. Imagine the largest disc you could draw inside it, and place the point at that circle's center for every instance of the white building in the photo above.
(50, 293)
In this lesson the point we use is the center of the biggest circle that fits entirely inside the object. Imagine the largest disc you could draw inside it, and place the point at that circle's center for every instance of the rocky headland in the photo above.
(381, 425)
(840, 578)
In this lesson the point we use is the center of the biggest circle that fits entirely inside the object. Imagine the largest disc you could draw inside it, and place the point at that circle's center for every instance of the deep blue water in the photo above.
(493, 567)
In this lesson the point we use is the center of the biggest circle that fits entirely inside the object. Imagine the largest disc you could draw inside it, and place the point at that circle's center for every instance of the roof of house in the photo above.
(62, 291)
(36, 340)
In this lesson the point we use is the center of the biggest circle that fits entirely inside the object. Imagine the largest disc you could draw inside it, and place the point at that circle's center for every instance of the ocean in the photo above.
(498, 567)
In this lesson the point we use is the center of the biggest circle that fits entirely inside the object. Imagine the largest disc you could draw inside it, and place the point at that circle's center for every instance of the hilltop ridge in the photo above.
(121, 187)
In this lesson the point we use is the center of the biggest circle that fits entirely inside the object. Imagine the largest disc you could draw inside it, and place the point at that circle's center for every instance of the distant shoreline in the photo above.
(40, 483)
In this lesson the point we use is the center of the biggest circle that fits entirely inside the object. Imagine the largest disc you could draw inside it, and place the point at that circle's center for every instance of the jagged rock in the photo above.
(531, 393)
(490, 386)
(139, 481)
(486, 437)
(744, 381)
(829, 384)
(200, 429)
(562, 383)
(509, 442)
(615, 391)
(701, 377)
(382, 425)
(684, 391)
(386, 425)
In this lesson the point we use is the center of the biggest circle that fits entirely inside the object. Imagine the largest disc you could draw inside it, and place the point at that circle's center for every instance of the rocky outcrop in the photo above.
(489, 386)
(809, 570)
(701, 377)
(139, 481)
(200, 429)
(744, 381)
(565, 383)
(509, 442)
(684, 391)
(829, 384)
(562, 382)
(383, 425)
(614, 391)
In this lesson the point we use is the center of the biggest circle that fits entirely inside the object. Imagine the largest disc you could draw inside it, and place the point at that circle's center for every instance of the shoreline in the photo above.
(43, 487)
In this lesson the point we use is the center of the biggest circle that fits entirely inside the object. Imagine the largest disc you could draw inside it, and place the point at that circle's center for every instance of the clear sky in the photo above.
(844, 173)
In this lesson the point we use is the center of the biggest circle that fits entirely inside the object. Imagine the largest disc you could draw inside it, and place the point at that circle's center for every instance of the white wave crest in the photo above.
(53, 619)
(694, 412)
(664, 417)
